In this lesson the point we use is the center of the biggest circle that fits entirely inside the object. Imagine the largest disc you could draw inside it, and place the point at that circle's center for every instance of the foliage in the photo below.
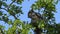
(48, 24)
(1, 29)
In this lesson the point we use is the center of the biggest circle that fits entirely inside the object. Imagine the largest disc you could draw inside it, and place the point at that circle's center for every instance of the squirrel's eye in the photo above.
(33, 15)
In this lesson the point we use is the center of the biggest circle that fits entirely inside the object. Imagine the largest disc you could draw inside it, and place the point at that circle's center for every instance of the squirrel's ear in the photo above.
(31, 10)
(29, 15)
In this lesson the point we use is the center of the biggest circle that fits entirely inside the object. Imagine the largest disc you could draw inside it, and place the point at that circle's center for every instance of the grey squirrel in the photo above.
(34, 18)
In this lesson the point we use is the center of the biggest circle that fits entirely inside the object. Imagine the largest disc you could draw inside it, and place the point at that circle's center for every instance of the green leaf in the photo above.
(4, 4)
(9, 22)
(0, 13)
(0, 4)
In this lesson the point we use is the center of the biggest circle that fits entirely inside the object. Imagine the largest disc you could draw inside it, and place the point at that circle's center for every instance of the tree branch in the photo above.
(10, 4)
(3, 9)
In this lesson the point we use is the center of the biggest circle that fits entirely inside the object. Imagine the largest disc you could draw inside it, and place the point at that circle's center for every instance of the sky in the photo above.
(57, 15)
(26, 7)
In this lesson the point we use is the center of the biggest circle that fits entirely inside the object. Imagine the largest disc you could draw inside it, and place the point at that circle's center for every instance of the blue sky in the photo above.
(57, 15)
(26, 7)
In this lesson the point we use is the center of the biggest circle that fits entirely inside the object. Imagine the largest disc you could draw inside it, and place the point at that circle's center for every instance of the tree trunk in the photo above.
(37, 31)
